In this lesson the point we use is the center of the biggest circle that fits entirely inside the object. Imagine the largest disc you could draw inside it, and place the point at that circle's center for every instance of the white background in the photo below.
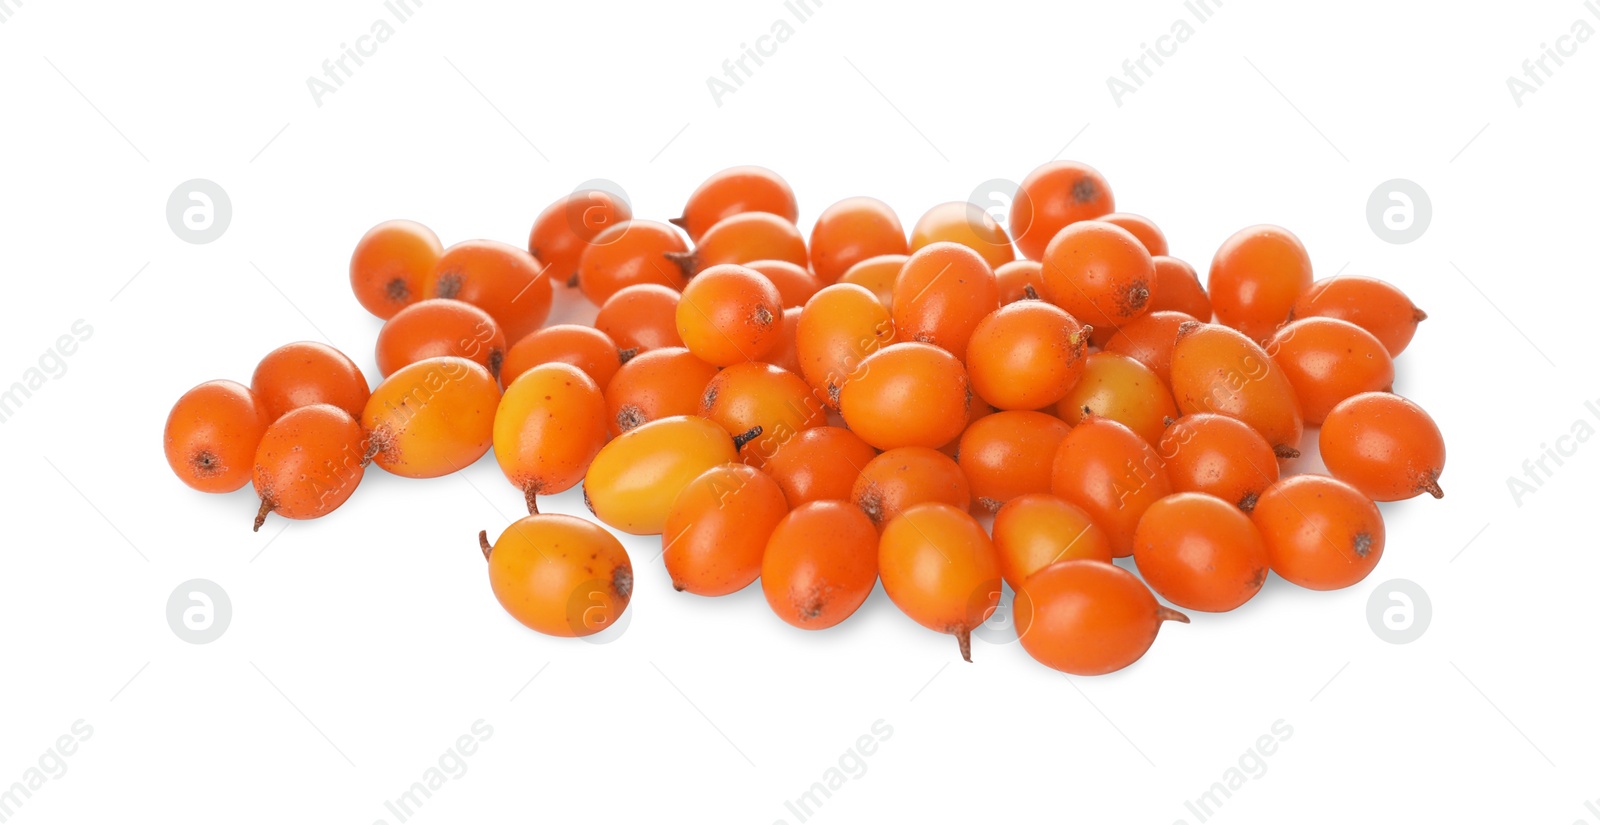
(363, 645)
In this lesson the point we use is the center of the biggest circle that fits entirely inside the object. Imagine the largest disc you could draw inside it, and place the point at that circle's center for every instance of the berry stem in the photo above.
(964, 639)
(746, 437)
(261, 515)
(1167, 614)
(483, 542)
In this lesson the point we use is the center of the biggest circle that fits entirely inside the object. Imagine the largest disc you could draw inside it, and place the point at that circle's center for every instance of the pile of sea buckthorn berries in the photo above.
(936, 413)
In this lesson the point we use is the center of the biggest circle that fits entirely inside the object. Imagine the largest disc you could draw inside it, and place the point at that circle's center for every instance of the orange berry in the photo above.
(567, 227)
(939, 568)
(852, 231)
(1099, 272)
(1384, 446)
(965, 224)
(1200, 552)
(211, 436)
(390, 264)
(583, 347)
(1034, 531)
(1113, 474)
(1026, 355)
(1256, 277)
(735, 191)
(1009, 454)
(1052, 196)
(904, 477)
(820, 564)
(1320, 533)
(730, 314)
(629, 253)
(305, 373)
(499, 279)
(308, 463)
(907, 395)
(439, 327)
(717, 529)
(1088, 618)
(942, 293)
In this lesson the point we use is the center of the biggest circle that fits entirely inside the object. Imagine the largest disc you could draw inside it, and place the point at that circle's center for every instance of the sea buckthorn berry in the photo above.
(641, 318)
(583, 347)
(1385, 446)
(735, 191)
(904, 477)
(1199, 552)
(1113, 474)
(1026, 355)
(1149, 340)
(1121, 389)
(1037, 530)
(308, 463)
(1217, 369)
(305, 373)
(795, 283)
(1009, 454)
(630, 253)
(565, 229)
(559, 575)
(211, 436)
(1220, 456)
(1256, 277)
(432, 418)
(717, 529)
(635, 478)
(941, 569)
(820, 564)
(756, 394)
(1375, 306)
(550, 424)
(1052, 196)
(1320, 533)
(730, 314)
(907, 395)
(839, 327)
(658, 384)
(1178, 289)
(390, 264)
(1098, 272)
(439, 327)
(877, 275)
(742, 238)
(1088, 617)
(1018, 280)
(1141, 227)
(965, 224)
(942, 293)
(499, 279)
(819, 464)
(786, 355)
(1327, 360)
(852, 231)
